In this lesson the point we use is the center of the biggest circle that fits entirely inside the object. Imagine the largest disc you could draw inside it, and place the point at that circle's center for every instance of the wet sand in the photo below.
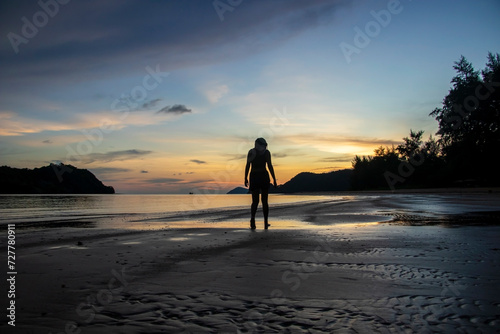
(321, 268)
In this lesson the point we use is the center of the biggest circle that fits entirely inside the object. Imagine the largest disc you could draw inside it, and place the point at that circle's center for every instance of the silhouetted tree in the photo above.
(411, 144)
(413, 163)
(467, 144)
(469, 122)
(368, 171)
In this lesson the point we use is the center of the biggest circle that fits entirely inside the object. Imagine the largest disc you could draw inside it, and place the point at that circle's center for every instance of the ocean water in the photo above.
(160, 211)
(46, 208)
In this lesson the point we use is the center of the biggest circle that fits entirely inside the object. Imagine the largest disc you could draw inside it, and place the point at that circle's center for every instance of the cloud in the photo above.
(235, 156)
(328, 169)
(129, 103)
(177, 109)
(151, 104)
(280, 155)
(121, 33)
(338, 158)
(333, 141)
(199, 162)
(14, 124)
(215, 93)
(113, 156)
(108, 170)
(164, 180)
(187, 173)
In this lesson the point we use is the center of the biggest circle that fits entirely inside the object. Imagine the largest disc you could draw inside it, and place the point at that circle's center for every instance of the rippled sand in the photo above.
(303, 275)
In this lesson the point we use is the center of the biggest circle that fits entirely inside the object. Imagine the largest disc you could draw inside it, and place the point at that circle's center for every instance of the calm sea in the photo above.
(44, 208)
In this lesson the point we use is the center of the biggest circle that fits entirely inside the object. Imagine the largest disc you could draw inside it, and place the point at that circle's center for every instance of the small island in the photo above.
(52, 179)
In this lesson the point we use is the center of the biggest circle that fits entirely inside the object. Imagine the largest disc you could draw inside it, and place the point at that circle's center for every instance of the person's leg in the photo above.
(265, 206)
(255, 204)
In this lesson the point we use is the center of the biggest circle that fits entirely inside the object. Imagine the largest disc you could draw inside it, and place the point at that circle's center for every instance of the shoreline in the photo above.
(447, 190)
(373, 207)
(330, 265)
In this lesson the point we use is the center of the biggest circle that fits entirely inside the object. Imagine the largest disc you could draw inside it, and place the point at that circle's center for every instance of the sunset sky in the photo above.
(169, 96)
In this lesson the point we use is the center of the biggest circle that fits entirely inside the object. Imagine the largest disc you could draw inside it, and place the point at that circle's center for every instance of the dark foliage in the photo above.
(52, 179)
(469, 122)
(369, 171)
(466, 151)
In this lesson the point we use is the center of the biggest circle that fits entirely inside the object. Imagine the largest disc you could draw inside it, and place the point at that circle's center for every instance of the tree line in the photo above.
(465, 149)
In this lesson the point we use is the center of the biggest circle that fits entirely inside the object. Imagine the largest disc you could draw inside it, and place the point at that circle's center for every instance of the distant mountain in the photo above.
(238, 190)
(311, 182)
(52, 179)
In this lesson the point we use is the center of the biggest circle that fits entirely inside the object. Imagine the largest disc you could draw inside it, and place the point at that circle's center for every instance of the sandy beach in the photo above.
(374, 264)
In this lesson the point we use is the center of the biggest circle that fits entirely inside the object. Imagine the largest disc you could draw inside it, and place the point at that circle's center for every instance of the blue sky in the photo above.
(168, 96)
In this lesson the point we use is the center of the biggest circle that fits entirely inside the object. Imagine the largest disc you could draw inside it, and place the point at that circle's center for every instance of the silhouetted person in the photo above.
(258, 157)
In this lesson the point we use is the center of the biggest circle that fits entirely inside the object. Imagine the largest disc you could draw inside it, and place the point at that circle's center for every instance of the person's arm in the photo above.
(247, 169)
(271, 168)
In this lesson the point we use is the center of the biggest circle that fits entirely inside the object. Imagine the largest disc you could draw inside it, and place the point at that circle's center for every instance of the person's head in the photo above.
(260, 144)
